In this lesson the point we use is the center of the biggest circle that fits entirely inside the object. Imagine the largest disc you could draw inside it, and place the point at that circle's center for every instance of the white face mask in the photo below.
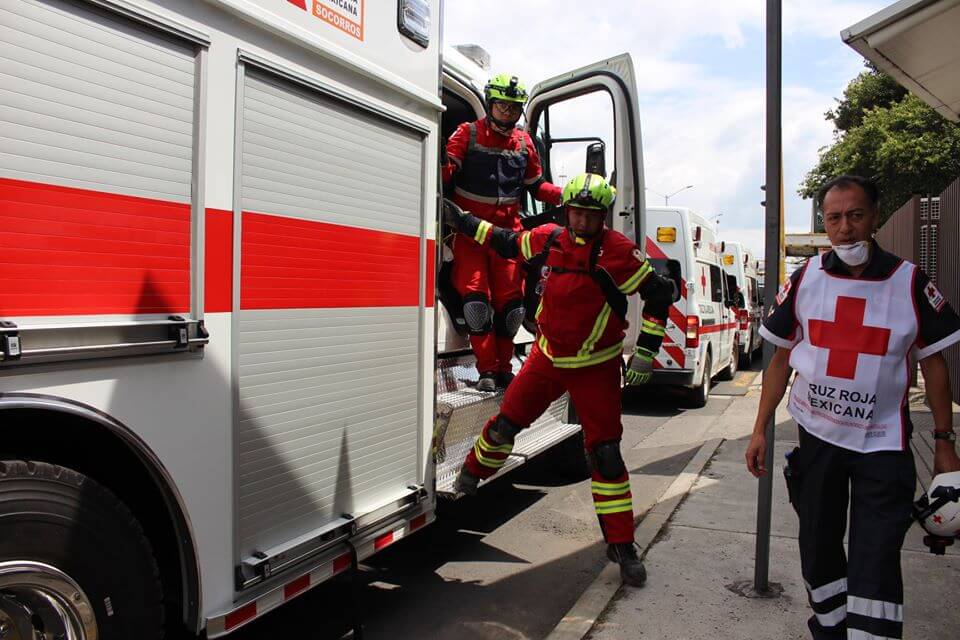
(853, 255)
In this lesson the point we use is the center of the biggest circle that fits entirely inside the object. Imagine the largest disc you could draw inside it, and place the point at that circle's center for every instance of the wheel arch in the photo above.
(64, 431)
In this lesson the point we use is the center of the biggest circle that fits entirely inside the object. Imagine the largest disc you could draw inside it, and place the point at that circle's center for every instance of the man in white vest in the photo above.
(847, 323)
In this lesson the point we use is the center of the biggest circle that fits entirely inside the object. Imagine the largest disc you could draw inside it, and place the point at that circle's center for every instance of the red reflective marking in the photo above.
(678, 318)
(656, 364)
(243, 614)
(289, 263)
(846, 337)
(342, 563)
(418, 522)
(218, 266)
(656, 252)
(299, 3)
(69, 251)
(431, 271)
(676, 353)
(383, 541)
(714, 328)
(295, 587)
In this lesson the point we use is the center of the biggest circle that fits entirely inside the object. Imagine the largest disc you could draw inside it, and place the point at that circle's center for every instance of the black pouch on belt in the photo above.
(792, 474)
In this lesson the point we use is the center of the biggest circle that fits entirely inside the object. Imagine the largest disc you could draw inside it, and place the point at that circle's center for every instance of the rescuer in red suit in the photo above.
(589, 273)
(491, 164)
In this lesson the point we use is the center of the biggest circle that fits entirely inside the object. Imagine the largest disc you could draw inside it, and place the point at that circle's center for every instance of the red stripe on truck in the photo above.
(713, 328)
(218, 261)
(676, 353)
(289, 263)
(69, 251)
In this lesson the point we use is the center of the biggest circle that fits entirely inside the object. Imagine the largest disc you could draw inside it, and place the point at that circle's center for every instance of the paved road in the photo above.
(506, 564)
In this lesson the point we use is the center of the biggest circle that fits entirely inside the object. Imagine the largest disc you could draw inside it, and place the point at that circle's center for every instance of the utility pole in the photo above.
(773, 204)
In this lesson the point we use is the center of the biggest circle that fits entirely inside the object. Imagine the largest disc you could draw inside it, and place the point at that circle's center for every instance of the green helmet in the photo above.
(505, 87)
(589, 191)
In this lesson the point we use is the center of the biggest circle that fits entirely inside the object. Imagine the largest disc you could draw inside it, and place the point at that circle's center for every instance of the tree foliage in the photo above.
(885, 133)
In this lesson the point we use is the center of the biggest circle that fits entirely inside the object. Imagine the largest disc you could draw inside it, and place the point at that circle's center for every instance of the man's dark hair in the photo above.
(845, 182)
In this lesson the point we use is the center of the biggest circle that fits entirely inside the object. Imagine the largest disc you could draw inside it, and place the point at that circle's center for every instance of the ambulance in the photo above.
(741, 269)
(701, 340)
(224, 373)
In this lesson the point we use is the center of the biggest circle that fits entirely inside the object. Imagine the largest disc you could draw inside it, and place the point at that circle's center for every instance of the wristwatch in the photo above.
(945, 435)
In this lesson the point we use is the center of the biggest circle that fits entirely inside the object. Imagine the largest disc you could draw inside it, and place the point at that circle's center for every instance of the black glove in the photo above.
(453, 215)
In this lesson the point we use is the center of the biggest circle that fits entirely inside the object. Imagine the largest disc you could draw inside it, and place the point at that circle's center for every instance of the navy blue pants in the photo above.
(859, 596)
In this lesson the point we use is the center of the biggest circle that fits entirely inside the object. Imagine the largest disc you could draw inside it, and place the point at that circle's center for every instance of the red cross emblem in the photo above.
(938, 519)
(846, 337)
(703, 279)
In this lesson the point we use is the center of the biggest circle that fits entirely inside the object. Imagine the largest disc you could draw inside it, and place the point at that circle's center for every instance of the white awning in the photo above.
(916, 42)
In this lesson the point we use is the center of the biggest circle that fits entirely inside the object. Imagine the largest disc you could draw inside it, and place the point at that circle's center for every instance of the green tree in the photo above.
(887, 134)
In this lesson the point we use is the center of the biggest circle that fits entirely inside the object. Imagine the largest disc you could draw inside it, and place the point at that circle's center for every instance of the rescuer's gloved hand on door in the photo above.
(640, 367)
(453, 215)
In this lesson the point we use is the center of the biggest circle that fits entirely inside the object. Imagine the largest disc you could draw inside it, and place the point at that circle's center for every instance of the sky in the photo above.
(700, 72)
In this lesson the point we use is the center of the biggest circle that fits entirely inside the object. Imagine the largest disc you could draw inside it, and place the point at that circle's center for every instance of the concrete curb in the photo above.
(580, 619)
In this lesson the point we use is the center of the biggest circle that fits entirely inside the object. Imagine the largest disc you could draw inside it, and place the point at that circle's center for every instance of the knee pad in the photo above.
(503, 431)
(608, 461)
(476, 312)
(508, 321)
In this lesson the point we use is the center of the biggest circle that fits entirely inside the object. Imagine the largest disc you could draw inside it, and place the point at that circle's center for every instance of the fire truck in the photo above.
(224, 375)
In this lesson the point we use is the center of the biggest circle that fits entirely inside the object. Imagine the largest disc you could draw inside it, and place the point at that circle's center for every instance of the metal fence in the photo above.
(926, 231)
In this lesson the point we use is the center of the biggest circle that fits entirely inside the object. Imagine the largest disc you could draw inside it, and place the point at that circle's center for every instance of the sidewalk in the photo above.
(706, 551)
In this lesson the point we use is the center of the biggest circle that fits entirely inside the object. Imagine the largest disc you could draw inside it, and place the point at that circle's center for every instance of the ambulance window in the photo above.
(716, 284)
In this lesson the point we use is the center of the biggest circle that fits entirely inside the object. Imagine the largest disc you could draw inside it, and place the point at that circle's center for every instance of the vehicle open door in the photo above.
(595, 105)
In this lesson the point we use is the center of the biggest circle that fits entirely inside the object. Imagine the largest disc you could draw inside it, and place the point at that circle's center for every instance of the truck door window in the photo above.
(716, 284)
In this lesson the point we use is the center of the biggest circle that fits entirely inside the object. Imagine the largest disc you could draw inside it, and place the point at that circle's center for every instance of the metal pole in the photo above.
(771, 279)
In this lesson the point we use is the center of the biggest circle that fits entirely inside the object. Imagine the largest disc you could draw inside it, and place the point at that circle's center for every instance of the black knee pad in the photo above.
(507, 322)
(608, 461)
(477, 313)
(503, 431)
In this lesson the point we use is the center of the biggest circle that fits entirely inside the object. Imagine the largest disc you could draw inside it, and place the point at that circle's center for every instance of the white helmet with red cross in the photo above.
(938, 510)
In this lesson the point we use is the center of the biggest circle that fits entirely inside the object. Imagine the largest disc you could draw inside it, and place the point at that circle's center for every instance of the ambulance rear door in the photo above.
(667, 237)
(553, 109)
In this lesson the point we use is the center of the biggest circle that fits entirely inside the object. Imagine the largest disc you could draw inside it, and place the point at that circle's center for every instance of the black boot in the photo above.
(504, 378)
(631, 569)
(487, 382)
(467, 483)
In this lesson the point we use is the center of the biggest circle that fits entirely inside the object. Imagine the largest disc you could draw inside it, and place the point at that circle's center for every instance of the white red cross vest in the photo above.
(852, 358)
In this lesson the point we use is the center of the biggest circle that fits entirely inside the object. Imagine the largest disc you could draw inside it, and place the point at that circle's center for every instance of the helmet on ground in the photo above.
(506, 88)
(938, 510)
(589, 191)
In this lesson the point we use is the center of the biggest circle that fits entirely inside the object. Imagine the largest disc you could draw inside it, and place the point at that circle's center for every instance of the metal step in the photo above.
(462, 411)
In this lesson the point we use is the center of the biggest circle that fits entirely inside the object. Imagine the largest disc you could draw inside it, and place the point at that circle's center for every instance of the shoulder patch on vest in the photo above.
(784, 291)
(934, 296)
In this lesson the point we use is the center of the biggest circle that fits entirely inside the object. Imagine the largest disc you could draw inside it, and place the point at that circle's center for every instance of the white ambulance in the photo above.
(741, 269)
(219, 372)
(701, 337)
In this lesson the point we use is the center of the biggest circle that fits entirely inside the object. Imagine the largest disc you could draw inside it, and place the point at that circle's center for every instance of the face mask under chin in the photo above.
(853, 255)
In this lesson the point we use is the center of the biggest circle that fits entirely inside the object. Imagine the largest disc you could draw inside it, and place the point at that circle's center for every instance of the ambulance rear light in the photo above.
(728, 259)
(744, 317)
(666, 234)
(693, 332)
(413, 20)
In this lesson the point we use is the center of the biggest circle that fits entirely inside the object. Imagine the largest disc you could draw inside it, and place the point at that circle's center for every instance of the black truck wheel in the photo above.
(74, 562)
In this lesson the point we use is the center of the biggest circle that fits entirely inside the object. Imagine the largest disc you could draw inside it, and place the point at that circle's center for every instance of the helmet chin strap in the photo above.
(500, 126)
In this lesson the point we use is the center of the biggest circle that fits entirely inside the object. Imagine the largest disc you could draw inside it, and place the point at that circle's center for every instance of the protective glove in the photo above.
(453, 215)
(640, 367)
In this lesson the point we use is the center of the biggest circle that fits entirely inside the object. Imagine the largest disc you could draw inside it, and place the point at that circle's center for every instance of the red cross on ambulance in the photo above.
(846, 337)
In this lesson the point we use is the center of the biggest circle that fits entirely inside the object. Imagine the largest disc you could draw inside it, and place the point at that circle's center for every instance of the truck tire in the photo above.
(698, 395)
(729, 372)
(746, 354)
(67, 539)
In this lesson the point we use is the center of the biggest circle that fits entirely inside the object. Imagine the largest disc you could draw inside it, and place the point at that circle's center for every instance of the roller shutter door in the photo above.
(96, 138)
(329, 317)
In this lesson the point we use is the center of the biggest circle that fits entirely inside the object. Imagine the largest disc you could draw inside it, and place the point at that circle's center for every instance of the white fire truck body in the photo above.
(219, 231)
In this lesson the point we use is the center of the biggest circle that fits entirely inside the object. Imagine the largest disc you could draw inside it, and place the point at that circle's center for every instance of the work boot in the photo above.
(631, 569)
(467, 483)
(487, 382)
(504, 378)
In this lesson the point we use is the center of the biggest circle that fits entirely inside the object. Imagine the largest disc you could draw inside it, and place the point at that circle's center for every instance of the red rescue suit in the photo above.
(579, 349)
(490, 173)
